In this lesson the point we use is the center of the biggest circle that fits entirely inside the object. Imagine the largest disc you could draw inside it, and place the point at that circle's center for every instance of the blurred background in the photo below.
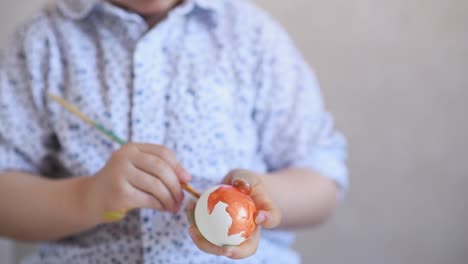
(395, 75)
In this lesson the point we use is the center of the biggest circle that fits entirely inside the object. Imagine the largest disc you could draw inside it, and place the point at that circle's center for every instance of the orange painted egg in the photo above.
(225, 215)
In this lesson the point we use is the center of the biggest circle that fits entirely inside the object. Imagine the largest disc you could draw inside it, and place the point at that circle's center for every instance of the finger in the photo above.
(252, 185)
(160, 151)
(266, 219)
(203, 244)
(169, 156)
(157, 167)
(190, 211)
(268, 214)
(231, 175)
(154, 187)
(144, 200)
(246, 249)
(182, 173)
(242, 178)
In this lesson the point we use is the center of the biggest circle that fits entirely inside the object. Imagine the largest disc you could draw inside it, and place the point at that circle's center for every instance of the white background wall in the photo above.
(394, 73)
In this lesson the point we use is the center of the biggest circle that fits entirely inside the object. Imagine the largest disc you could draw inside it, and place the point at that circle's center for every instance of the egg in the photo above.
(225, 215)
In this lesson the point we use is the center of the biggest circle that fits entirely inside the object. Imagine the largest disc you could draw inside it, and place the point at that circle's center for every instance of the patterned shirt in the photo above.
(218, 81)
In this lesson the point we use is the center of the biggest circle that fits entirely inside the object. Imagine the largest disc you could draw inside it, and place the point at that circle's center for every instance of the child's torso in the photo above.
(180, 85)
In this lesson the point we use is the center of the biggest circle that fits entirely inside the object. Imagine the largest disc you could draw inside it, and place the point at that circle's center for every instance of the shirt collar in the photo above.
(79, 9)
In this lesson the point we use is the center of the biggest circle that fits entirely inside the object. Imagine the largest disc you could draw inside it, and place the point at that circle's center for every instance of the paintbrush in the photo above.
(108, 215)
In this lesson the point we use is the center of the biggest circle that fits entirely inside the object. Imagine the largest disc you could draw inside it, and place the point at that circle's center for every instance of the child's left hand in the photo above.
(268, 215)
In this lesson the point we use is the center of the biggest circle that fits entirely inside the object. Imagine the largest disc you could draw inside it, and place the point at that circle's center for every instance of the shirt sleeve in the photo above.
(24, 125)
(295, 129)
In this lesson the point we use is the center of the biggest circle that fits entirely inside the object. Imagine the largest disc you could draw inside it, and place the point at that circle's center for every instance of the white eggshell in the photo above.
(215, 227)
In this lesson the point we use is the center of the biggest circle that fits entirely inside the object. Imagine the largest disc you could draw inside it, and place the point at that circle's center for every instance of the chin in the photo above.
(151, 7)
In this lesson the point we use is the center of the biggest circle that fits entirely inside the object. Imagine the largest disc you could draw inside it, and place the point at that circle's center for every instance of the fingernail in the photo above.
(186, 176)
(242, 184)
(228, 252)
(260, 219)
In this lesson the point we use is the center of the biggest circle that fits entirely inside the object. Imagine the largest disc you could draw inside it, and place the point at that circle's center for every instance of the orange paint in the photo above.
(241, 208)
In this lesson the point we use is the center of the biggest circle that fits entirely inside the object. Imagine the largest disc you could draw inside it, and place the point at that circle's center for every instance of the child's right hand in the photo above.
(136, 176)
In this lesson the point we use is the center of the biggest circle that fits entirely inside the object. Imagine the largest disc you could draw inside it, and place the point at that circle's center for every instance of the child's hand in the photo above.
(136, 176)
(268, 216)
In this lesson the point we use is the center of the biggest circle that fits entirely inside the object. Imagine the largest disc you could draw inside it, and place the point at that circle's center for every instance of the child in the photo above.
(204, 86)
